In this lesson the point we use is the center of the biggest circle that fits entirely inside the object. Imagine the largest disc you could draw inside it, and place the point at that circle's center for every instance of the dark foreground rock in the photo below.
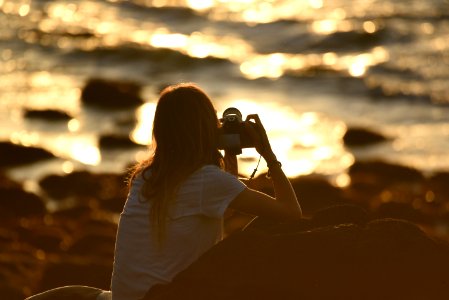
(383, 259)
(17, 203)
(107, 189)
(111, 94)
(87, 272)
(14, 155)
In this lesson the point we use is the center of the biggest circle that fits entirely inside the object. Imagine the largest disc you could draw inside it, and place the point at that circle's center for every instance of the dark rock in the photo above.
(14, 155)
(47, 238)
(316, 193)
(89, 272)
(102, 186)
(362, 137)
(78, 211)
(6, 182)
(114, 204)
(386, 259)
(116, 141)
(439, 182)
(401, 211)
(383, 173)
(341, 214)
(94, 244)
(19, 270)
(15, 203)
(48, 114)
(111, 94)
(9, 292)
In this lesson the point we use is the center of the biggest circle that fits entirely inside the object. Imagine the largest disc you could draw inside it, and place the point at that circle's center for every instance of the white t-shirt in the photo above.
(194, 226)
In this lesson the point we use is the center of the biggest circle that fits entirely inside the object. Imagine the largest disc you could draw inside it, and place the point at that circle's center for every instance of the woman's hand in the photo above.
(259, 136)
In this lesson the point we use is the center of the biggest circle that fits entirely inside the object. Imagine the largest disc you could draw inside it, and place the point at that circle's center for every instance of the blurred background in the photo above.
(314, 70)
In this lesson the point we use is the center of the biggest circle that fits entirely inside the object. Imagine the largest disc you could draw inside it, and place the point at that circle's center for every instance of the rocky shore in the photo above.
(386, 232)
(384, 236)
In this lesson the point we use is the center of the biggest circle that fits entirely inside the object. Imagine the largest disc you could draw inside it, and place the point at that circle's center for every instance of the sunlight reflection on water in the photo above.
(40, 70)
(310, 142)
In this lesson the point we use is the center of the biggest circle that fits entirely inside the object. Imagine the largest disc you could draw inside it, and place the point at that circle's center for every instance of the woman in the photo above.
(178, 197)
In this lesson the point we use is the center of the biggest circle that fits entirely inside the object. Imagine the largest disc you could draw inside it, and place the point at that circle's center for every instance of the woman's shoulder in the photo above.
(211, 171)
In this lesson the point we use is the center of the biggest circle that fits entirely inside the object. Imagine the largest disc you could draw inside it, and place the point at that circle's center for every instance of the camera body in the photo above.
(232, 134)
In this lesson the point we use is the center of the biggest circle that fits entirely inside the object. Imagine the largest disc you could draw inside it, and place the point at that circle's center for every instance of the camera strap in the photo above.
(255, 170)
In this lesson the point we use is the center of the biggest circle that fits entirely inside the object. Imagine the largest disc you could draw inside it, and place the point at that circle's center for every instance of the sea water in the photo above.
(309, 68)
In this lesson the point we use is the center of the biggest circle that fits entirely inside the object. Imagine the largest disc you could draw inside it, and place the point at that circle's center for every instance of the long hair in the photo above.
(185, 136)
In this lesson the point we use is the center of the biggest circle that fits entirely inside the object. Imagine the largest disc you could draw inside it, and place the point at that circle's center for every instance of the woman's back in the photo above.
(194, 225)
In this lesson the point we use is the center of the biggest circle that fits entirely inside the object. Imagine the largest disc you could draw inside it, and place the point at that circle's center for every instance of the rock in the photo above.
(76, 212)
(113, 141)
(89, 272)
(7, 182)
(341, 214)
(316, 193)
(111, 94)
(48, 114)
(383, 173)
(94, 244)
(16, 203)
(386, 259)
(43, 237)
(11, 292)
(402, 211)
(114, 204)
(19, 271)
(362, 137)
(439, 184)
(14, 155)
(103, 187)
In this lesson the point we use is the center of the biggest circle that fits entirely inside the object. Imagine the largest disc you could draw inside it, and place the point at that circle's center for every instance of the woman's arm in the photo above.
(285, 205)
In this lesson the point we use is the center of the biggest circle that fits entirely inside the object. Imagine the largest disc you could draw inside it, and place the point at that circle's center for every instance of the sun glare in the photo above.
(163, 39)
(325, 26)
(200, 4)
(86, 154)
(142, 133)
(309, 141)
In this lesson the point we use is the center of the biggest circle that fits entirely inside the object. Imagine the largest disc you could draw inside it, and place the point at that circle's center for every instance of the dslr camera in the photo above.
(232, 133)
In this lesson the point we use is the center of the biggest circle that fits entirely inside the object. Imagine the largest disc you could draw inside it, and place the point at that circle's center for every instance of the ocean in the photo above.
(310, 68)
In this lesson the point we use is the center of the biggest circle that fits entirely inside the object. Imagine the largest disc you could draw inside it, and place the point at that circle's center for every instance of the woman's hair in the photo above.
(185, 136)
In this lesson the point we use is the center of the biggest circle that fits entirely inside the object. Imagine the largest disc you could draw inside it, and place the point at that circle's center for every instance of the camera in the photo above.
(232, 134)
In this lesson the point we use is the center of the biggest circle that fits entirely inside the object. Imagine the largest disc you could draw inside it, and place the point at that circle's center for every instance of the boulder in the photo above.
(362, 137)
(89, 272)
(384, 259)
(16, 203)
(114, 141)
(404, 211)
(316, 193)
(47, 114)
(111, 94)
(382, 173)
(14, 155)
(10, 292)
(102, 186)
